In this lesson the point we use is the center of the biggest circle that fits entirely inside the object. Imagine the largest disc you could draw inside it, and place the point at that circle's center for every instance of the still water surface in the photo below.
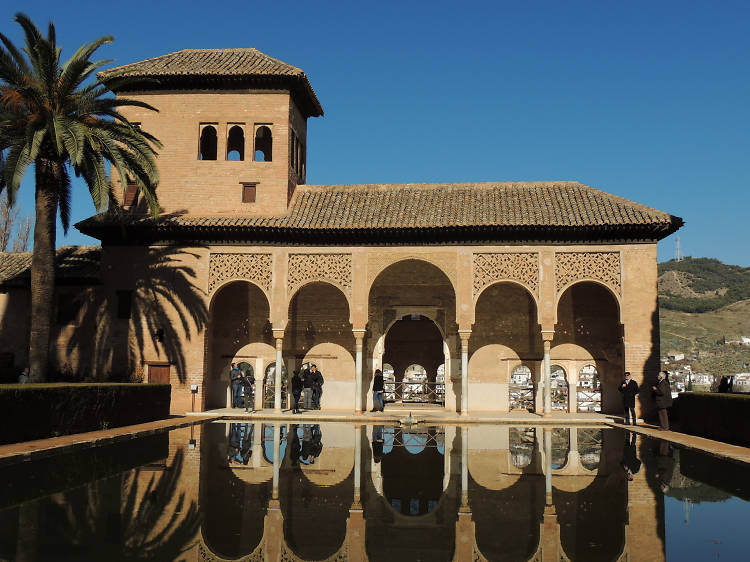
(227, 491)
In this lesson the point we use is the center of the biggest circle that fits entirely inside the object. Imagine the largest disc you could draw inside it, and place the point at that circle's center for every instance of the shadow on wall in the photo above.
(650, 371)
(161, 307)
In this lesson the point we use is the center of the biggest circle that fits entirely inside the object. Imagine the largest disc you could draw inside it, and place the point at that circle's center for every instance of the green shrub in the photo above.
(722, 417)
(38, 411)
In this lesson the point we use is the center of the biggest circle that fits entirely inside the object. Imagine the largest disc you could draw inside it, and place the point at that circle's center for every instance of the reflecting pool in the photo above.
(261, 491)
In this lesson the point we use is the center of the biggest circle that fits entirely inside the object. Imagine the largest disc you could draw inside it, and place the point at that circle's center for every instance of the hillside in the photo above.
(701, 284)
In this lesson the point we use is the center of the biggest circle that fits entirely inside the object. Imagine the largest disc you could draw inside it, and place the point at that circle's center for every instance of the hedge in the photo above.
(719, 416)
(38, 411)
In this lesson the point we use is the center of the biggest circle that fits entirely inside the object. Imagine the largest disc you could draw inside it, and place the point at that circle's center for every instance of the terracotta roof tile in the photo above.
(564, 206)
(216, 63)
(72, 262)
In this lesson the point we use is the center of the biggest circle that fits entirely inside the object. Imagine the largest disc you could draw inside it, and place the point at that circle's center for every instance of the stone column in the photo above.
(359, 336)
(464, 466)
(357, 464)
(276, 459)
(464, 335)
(547, 336)
(279, 336)
(548, 465)
(257, 443)
(260, 376)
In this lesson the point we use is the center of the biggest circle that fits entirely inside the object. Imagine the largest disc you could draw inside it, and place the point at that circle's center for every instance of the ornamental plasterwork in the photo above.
(579, 266)
(205, 554)
(257, 268)
(333, 268)
(490, 268)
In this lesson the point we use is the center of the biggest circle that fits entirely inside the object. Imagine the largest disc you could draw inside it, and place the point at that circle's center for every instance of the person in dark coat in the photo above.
(247, 381)
(297, 386)
(378, 404)
(630, 462)
(664, 465)
(724, 384)
(377, 443)
(236, 387)
(628, 389)
(317, 386)
(663, 397)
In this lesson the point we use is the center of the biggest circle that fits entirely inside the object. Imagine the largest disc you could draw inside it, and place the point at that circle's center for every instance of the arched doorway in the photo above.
(588, 390)
(521, 389)
(269, 385)
(239, 331)
(412, 320)
(415, 350)
(588, 316)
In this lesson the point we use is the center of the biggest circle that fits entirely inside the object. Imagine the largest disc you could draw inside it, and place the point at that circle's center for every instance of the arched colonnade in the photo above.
(491, 315)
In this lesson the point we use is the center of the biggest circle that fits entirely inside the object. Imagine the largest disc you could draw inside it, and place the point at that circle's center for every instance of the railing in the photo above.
(589, 399)
(415, 391)
(418, 439)
(521, 397)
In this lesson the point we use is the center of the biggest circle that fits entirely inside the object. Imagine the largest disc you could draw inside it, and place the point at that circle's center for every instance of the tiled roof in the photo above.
(562, 207)
(223, 63)
(72, 262)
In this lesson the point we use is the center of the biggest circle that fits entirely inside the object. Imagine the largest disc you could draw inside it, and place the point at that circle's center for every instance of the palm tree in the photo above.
(59, 116)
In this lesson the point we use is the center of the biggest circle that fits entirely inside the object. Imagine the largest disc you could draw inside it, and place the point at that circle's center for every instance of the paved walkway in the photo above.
(31, 450)
(412, 413)
(717, 448)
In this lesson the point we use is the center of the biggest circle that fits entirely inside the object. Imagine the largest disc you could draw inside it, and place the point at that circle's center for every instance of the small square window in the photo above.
(124, 304)
(248, 192)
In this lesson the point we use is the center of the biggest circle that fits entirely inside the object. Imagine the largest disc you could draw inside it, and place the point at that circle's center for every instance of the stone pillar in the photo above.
(574, 459)
(357, 464)
(547, 336)
(464, 466)
(464, 335)
(279, 336)
(260, 376)
(548, 465)
(276, 459)
(257, 443)
(359, 336)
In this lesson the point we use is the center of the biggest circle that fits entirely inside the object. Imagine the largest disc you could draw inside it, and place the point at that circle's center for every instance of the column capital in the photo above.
(464, 335)
(548, 335)
(359, 333)
(278, 334)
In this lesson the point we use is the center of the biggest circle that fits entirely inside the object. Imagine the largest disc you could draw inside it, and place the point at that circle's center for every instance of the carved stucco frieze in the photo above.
(332, 268)
(580, 266)
(288, 556)
(257, 268)
(491, 267)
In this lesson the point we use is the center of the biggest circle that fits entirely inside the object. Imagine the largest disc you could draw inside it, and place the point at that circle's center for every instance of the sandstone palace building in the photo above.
(482, 296)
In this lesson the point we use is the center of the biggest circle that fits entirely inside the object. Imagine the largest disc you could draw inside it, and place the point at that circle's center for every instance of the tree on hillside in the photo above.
(59, 116)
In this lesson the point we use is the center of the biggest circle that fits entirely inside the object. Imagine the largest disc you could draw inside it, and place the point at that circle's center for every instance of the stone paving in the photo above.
(717, 448)
(31, 450)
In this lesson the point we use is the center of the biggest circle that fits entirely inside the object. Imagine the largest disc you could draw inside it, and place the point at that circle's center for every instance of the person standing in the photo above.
(317, 386)
(297, 385)
(663, 396)
(247, 382)
(24, 377)
(307, 389)
(378, 404)
(628, 389)
(236, 387)
(630, 462)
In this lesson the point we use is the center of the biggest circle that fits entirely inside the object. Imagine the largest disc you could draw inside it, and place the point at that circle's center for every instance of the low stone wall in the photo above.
(39, 411)
(722, 417)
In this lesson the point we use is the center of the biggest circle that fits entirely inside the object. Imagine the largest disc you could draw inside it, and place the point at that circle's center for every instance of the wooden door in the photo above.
(158, 374)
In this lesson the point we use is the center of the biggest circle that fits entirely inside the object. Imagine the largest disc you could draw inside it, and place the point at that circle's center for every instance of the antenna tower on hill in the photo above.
(678, 250)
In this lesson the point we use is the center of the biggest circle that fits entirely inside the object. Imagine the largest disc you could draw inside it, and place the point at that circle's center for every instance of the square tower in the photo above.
(233, 124)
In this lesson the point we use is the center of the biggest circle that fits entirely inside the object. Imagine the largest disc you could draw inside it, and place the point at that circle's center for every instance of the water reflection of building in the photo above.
(383, 493)
(482, 493)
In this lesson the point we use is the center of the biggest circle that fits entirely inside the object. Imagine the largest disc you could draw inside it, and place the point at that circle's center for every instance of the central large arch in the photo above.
(412, 320)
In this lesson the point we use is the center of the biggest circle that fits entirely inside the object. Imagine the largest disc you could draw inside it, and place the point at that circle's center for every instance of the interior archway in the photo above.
(239, 330)
(414, 348)
(588, 316)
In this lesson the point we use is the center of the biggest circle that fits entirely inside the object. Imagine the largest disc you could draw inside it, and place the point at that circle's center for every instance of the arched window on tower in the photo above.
(263, 144)
(208, 143)
(236, 143)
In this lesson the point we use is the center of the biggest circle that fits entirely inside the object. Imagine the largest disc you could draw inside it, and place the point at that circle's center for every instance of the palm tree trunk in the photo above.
(49, 176)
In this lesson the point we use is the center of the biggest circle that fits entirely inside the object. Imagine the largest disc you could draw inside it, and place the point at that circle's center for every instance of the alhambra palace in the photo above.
(477, 284)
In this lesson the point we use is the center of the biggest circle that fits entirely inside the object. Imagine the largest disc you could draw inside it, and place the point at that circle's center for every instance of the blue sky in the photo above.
(647, 100)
